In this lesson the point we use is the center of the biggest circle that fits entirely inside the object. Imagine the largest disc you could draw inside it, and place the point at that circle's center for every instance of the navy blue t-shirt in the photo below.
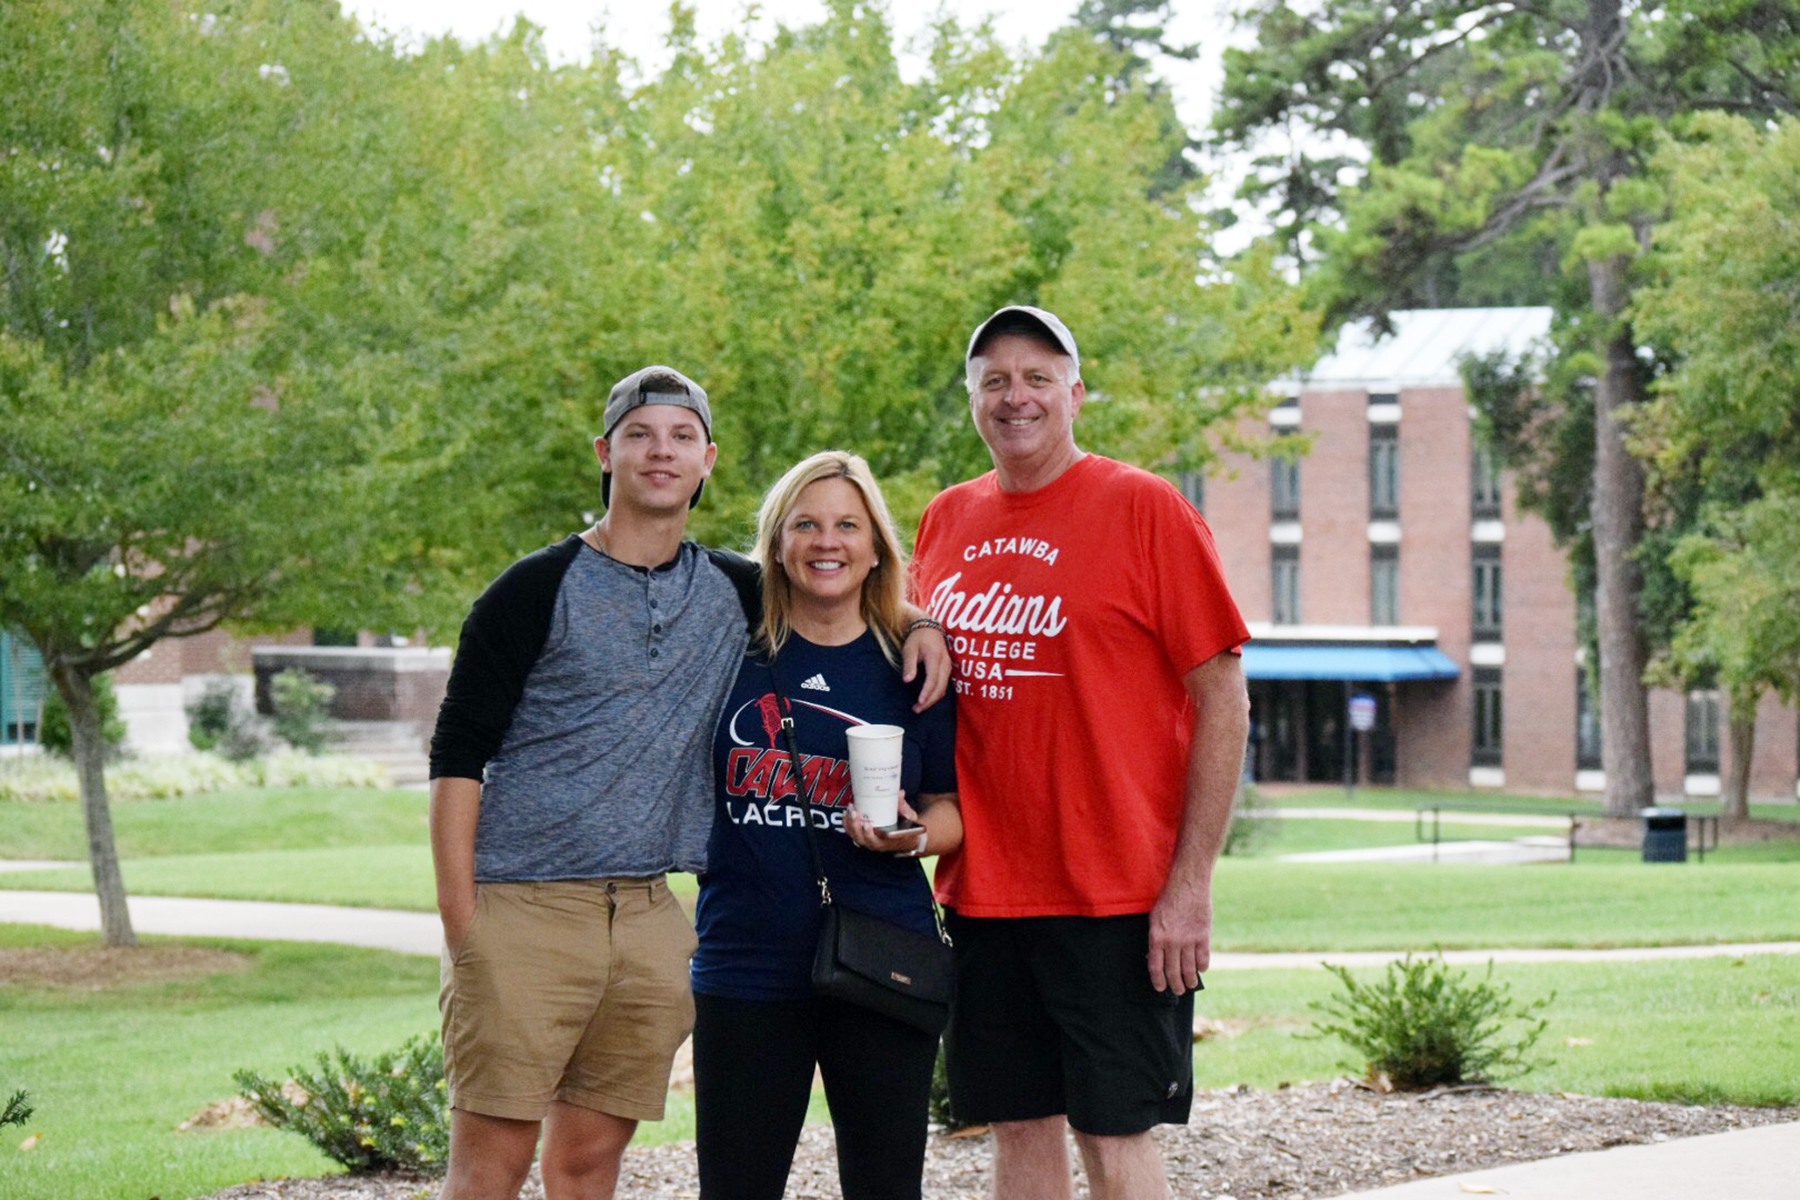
(758, 916)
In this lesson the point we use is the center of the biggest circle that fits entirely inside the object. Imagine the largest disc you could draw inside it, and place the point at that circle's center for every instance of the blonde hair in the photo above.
(883, 591)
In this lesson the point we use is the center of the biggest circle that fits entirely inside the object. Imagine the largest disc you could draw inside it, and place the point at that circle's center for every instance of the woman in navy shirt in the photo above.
(833, 584)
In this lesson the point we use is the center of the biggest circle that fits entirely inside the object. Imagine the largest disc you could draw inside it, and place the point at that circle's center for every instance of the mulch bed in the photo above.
(1315, 1140)
(94, 968)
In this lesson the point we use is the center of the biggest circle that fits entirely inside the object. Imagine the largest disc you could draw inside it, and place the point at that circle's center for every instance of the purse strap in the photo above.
(793, 752)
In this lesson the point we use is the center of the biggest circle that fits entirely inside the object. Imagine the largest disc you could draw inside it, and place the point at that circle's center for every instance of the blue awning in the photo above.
(1361, 664)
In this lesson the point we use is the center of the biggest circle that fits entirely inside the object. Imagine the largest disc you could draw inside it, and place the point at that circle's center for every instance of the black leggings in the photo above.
(753, 1073)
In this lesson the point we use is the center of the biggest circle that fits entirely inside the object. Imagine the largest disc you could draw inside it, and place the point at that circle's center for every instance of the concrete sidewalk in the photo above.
(420, 933)
(1745, 1164)
(377, 928)
(1470, 853)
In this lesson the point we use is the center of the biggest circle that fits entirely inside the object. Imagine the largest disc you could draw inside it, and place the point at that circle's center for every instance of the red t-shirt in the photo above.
(1074, 612)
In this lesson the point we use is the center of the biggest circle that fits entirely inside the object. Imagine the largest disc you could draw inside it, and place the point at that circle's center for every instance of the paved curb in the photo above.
(1745, 1164)
(377, 928)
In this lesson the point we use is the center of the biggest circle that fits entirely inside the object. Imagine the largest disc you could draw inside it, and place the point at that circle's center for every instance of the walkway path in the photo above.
(419, 933)
(1746, 1164)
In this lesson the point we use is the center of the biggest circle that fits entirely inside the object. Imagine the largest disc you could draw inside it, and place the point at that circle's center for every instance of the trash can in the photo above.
(1665, 835)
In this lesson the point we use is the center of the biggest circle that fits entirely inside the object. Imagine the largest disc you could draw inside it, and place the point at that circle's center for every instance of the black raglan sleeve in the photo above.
(501, 640)
(746, 578)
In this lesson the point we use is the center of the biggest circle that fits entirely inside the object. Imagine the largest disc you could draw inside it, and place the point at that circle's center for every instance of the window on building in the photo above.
(1587, 725)
(1488, 605)
(1484, 749)
(1384, 471)
(1484, 485)
(1286, 585)
(1384, 584)
(1284, 488)
(1378, 398)
(1193, 486)
(1703, 733)
(22, 689)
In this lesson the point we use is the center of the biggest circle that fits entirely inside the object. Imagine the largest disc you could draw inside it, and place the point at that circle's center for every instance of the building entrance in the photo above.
(1298, 728)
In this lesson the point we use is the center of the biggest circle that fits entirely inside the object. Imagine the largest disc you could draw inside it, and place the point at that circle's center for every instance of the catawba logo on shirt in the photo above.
(992, 629)
(999, 609)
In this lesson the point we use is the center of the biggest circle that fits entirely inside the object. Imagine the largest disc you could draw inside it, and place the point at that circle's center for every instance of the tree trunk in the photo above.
(77, 691)
(1618, 524)
(1740, 726)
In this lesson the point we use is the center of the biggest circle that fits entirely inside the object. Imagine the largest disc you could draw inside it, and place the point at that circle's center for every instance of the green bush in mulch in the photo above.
(1424, 1025)
(388, 1113)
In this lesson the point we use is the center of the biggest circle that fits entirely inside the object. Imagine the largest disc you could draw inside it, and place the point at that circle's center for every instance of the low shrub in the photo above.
(57, 736)
(302, 707)
(169, 777)
(17, 1111)
(1423, 1024)
(288, 768)
(218, 720)
(388, 1113)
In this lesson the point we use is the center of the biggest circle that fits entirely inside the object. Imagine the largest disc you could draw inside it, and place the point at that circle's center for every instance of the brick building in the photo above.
(1391, 562)
(386, 694)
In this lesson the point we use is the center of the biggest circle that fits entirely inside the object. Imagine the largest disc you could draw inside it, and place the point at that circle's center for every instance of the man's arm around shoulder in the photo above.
(1181, 922)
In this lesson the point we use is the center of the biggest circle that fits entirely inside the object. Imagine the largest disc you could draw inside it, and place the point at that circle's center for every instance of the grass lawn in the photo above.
(1263, 905)
(222, 823)
(1301, 835)
(113, 1072)
(1702, 1032)
(1275, 836)
(374, 876)
(358, 876)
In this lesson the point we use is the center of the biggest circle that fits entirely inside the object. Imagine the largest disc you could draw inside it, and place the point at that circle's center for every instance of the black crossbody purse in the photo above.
(864, 960)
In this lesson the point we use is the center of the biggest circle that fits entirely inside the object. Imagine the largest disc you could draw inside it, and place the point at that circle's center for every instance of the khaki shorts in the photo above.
(574, 991)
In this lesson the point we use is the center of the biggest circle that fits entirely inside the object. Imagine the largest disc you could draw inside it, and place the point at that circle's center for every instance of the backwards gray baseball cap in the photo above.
(1033, 322)
(653, 385)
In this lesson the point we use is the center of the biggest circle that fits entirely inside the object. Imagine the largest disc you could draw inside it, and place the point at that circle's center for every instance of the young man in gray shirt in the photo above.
(569, 775)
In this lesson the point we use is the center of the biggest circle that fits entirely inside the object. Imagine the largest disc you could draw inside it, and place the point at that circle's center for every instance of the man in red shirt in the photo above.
(1102, 715)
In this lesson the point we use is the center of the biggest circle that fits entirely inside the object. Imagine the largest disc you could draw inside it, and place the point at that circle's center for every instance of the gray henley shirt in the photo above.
(605, 769)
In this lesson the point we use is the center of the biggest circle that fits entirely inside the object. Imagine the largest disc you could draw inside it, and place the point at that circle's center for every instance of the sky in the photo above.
(638, 28)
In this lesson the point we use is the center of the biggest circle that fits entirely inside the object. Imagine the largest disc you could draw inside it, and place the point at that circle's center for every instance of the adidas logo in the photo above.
(817, 684)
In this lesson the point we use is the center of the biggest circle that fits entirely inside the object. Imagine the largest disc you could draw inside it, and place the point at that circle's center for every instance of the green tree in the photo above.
(1482, 124)
(825, 234)
(1137, 32)
(1723, 421)
(186, 440)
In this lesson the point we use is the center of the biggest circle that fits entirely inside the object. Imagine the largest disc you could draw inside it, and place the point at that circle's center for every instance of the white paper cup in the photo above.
(875, 754)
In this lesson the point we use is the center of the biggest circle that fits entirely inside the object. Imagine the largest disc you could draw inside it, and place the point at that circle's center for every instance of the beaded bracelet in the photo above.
(925, 623)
